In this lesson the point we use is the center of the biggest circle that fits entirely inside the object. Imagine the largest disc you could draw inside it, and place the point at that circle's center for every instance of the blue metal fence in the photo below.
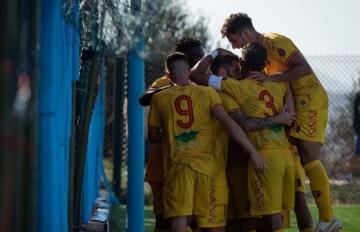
(59, 66)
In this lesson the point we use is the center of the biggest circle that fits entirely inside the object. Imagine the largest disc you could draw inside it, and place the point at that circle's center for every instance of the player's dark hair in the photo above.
(172, 58)
(222, 62)
(254, 57)
(186, 43)
(235, 23)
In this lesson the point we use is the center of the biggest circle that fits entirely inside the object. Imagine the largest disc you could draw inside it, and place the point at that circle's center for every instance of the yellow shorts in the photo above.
(237, 175)
(218, 201)
(154, 168)
(299, 186)
(186, 193)
(299, 171)
(310, 125)
(273, 189)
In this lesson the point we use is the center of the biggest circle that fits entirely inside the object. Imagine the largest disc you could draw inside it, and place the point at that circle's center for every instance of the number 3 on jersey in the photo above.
(269, 102)
(183, 106)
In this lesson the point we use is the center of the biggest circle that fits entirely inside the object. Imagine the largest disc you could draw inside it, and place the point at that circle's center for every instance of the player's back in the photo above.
(260, 100)
(185, 115)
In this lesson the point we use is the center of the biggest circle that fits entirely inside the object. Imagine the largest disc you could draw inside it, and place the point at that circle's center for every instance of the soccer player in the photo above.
(260, 100)
(193, 49)
(217, 212)
(239, 216)
(286, 63)
(180, 118)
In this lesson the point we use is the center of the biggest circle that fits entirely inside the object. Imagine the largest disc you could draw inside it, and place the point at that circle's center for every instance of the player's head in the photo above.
(226, 66)
(239, 30)
(192, 48)
(254, 57)
(177, 66)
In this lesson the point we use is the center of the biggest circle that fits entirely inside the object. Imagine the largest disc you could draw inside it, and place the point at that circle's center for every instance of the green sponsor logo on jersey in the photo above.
(187, 136)
(276, 128)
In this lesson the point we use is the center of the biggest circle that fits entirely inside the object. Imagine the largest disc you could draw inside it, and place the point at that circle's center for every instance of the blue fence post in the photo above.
(135, 186)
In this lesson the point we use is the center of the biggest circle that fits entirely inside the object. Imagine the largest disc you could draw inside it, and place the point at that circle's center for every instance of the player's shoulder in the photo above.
(160, 82)
(225, 97)
(275, 36)
(231, 81)
(246, 82)
(162, 95)
(204, 89)
(273, 40)
(276, 88)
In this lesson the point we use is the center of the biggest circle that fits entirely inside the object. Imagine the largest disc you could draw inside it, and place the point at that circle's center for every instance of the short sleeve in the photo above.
(234, 88)
(284, 49)
(154, 118)
(229, 103)
(214, 98)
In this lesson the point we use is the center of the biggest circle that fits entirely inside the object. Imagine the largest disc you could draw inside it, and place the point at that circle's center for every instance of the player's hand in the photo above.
(259, 161)
(259, 76)
(224, 52)
(285, 117)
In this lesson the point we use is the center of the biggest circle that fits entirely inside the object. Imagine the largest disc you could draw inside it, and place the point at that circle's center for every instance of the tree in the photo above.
(165, 22)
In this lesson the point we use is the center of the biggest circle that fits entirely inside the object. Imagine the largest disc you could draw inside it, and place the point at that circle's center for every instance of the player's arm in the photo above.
(154, 123)
(199, 73)
(154, 135)
(253, 124)
(298, 67)
(239, 136)
(289, 100)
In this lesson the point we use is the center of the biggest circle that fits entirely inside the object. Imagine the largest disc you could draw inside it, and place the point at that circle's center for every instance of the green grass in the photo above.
(349, 214)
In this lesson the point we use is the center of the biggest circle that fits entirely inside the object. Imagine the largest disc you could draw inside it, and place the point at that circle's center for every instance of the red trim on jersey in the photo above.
(291, 56)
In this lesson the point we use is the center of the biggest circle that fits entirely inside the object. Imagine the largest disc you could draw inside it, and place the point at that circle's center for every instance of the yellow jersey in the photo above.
(184, 113)
(261, 101)
(308, 91)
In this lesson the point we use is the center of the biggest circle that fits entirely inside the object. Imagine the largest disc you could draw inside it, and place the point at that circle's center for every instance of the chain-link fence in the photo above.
(340, 75)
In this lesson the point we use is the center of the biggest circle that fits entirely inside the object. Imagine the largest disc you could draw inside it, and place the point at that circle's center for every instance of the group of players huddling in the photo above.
(233, 136)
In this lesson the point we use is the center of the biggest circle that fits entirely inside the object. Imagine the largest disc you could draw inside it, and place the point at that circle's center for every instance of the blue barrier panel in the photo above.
(58, 57)
(135, 185)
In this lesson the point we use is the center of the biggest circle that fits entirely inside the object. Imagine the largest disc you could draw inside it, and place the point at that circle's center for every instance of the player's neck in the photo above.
(180, 82)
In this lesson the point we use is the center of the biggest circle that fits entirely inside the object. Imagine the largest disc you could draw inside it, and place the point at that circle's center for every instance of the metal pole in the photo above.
(135, 187)
(119, 120)
(84, 132)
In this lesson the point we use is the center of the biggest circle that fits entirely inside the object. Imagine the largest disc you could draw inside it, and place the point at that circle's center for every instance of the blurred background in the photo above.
(72, 145)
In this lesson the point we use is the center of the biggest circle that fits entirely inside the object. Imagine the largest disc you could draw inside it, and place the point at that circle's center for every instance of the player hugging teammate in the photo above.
(221, 158)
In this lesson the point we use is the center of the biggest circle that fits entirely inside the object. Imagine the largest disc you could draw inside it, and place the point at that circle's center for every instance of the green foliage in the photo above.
(110, 27)
(165, 22)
